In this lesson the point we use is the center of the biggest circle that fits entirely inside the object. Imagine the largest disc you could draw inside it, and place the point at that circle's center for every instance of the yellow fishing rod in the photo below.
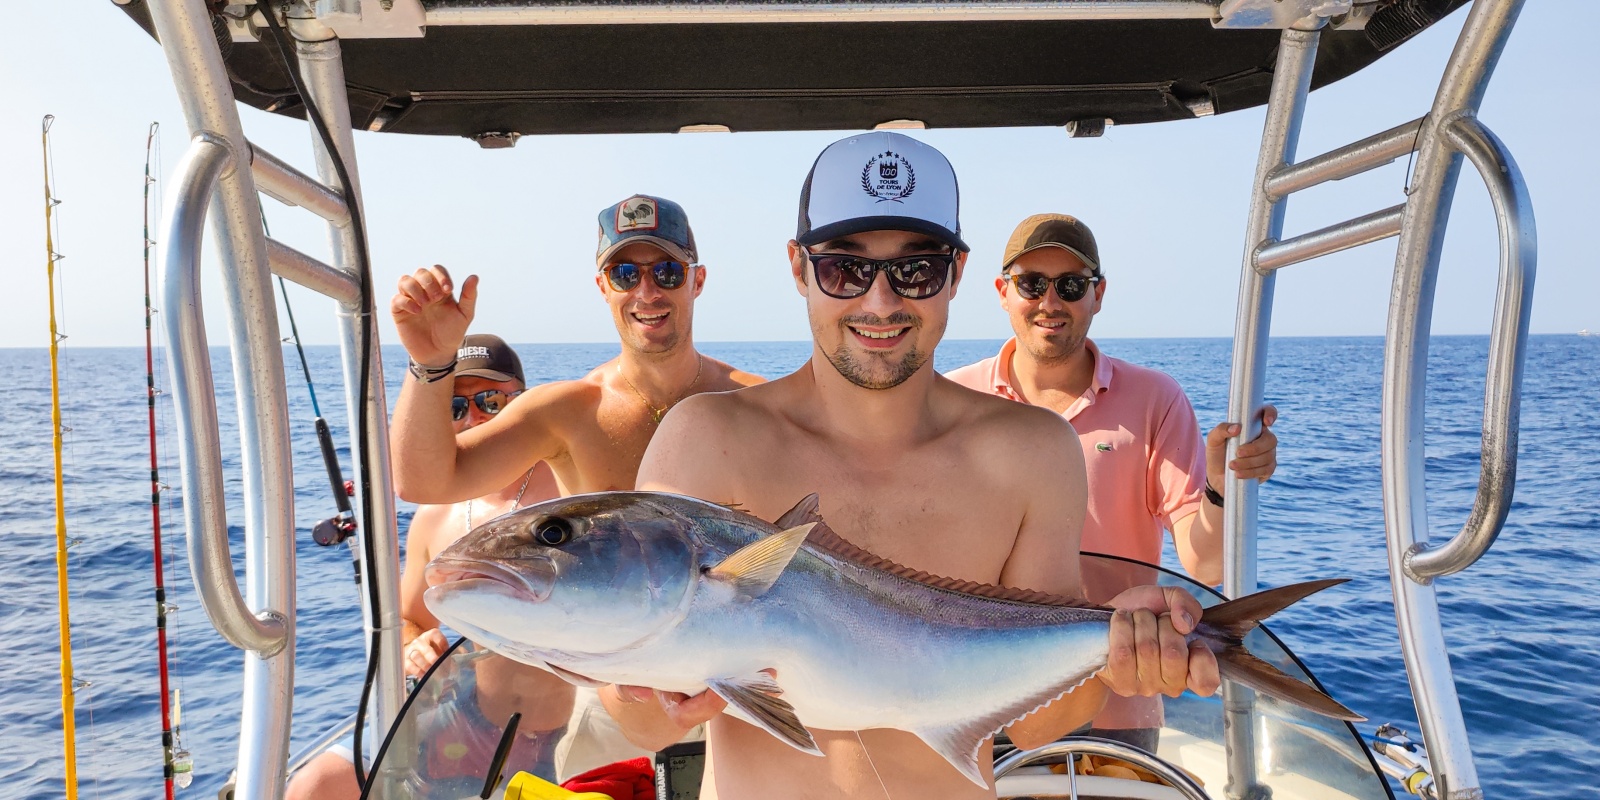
(68, 720)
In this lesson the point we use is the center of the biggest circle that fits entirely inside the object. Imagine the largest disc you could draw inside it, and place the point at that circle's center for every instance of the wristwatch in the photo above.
(1213, 495)
(427, 374)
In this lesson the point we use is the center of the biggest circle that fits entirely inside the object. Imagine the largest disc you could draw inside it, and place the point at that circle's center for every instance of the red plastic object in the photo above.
(625, 780)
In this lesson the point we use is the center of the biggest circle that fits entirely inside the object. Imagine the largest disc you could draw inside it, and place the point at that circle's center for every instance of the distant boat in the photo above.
(1586, 332)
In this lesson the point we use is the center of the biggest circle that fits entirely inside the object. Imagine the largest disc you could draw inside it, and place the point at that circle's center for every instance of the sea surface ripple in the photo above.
(1522, 626)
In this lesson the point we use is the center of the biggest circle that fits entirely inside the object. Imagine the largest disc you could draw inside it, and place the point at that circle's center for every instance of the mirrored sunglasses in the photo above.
(491, 402)
(912, 277)
(1070, 288)
(668, 275)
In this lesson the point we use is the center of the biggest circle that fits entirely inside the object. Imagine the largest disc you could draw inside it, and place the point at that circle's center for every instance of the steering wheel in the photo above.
(1089, 745)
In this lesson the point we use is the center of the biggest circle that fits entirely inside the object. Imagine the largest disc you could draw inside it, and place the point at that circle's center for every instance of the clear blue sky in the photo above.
(1166, 201)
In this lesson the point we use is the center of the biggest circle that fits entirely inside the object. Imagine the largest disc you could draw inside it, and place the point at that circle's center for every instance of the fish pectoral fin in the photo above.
(754, 699)
(755, 567)
(807, 510)
(959, 744)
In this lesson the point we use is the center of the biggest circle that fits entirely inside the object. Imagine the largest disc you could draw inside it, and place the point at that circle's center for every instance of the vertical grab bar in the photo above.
(1438, 165)
(1508, 345)
(205, 94)
(319, 53)
(1291, 82)
(205, 515)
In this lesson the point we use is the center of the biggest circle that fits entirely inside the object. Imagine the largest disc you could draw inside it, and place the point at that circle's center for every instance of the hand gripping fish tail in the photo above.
(1223, 628)
(795, 627)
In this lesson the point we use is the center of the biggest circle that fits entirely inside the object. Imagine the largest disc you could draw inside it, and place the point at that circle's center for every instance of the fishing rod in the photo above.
(177, 768)
(155, 479)
(68, 715)
(338, 528)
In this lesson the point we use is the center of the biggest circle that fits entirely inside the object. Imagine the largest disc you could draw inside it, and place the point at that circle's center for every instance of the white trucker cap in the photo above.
(880, 181)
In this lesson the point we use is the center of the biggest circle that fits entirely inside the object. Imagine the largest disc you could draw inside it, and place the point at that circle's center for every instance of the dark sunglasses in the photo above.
(912, 277)
(491, 402)
(1070, 287)
(668, 275)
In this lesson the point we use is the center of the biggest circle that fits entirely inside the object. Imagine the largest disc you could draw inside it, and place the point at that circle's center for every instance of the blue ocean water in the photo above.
(1524, 634)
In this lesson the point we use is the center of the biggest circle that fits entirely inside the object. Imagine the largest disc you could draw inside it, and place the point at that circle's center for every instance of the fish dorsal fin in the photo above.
(803, 512)
(754, 700)
(752, 569)
(823, 538)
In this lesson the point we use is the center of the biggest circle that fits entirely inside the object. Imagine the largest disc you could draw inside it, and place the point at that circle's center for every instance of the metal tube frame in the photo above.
(1366, 229)
(521, 12)
(306, 271)
(1291, 82)
(321, 64)
(1502, 401)
(184, 29)
(286, 184)
(1438, 164)
(1352, 159)
(205, 514)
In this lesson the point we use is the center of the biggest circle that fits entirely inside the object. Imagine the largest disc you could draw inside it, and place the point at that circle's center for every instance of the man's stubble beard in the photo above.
(635, 341)
(857, 371)
(1053, 351)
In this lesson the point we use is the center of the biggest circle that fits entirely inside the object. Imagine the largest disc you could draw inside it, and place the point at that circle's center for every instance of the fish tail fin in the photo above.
(1238, 665)
(1227, 625)
(1236, 618)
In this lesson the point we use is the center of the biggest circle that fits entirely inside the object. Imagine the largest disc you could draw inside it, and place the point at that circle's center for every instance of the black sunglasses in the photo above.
(668, 275)
(491, 402)
(912, 277)
(1070, 287)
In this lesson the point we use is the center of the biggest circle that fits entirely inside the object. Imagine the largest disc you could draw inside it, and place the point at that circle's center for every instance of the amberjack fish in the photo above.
(682, 595)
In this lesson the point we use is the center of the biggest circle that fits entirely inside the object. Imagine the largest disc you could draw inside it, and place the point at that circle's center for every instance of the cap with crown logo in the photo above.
(880, 181)
(642, 218)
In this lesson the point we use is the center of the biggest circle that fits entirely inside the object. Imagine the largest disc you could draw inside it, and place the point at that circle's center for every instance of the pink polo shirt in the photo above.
(1141, 444)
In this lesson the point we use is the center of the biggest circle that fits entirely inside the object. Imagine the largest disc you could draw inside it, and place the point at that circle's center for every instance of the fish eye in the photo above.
(552, 532)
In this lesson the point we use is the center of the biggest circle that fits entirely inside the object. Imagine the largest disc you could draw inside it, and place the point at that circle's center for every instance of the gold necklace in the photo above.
(657, 413)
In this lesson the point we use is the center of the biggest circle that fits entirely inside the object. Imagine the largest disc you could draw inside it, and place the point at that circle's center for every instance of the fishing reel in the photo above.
(334, 530)
(340, 527)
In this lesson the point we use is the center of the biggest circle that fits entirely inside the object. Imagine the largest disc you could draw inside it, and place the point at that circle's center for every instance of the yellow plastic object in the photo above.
(526, 786)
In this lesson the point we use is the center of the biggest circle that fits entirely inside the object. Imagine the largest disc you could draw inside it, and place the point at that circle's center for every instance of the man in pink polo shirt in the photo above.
(1148, 468)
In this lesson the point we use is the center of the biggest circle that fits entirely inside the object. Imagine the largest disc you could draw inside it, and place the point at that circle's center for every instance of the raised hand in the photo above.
(1150, 652)
(429, 318)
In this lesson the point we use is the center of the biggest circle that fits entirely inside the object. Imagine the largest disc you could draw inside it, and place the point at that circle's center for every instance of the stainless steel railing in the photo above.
(1450, 131)
(1451, 128)
(1497, 476)
(194, 398)
(260, 619)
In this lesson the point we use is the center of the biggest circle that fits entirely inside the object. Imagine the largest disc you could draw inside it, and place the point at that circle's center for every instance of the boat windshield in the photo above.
(1299, 753)
(460, 715)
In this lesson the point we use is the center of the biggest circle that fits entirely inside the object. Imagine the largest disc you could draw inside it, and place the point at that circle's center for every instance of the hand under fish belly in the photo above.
(790, 624)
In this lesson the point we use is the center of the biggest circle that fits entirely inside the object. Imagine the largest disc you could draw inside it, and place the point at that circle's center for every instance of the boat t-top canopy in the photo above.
(497, 69)
(494, 70)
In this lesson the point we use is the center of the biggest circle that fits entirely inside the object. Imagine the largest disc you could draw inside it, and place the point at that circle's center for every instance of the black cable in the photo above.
(383, 749)
(364, 268)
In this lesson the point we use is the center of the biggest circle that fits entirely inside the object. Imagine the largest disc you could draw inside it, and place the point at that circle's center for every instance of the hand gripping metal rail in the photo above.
(1450, 131)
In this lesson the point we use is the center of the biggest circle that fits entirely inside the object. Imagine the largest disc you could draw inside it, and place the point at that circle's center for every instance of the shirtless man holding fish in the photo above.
(908, 465)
